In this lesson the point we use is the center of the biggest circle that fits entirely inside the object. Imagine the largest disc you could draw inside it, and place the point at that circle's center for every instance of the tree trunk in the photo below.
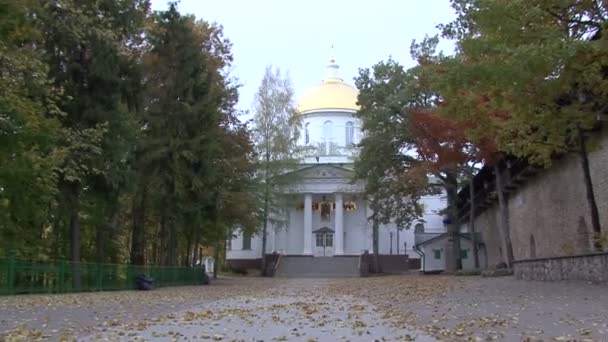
(196, 247)
(398, 241)
(264, 230)
(453, 260)
(216, 258)
(472, 220)
(503, 208)
(75, 235)
(107, 227)
(100, 239)
(376, 245)
(593, 211)
(164, 242)
(172, 246)
(266, 208)
(189, 247)
(138, 240)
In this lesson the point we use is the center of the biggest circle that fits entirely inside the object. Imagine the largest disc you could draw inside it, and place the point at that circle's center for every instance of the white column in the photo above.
(307, 224)
(339, 225)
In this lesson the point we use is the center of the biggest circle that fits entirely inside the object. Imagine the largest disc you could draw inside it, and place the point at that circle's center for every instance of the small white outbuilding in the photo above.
(432, 250)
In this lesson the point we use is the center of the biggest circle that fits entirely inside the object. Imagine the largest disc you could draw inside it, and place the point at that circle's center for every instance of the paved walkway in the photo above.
(395, 308)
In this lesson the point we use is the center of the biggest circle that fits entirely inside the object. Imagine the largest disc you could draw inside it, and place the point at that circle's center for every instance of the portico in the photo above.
(327, 209)
(324, 236)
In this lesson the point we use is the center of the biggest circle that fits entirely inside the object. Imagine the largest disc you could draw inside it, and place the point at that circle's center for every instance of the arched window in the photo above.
(327, 135)
(350, 133)
(419, 228)
(306, 134)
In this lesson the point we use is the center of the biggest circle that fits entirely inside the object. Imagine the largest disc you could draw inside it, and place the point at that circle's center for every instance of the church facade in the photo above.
(326, 212)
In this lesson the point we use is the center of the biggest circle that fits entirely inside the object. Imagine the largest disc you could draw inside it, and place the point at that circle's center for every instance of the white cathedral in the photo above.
(328, 213)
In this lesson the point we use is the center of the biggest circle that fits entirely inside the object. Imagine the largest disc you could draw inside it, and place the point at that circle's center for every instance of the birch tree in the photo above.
(275, 136)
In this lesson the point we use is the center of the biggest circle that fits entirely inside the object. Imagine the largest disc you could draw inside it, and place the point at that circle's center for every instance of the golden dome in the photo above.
(332, 93)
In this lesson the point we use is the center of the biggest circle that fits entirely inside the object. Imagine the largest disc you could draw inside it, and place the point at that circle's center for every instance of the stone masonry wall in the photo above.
(585, 267)
(549, 215)
(487, 225)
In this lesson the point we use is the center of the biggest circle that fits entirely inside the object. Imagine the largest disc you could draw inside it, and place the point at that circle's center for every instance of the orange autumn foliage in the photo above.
(443, 144)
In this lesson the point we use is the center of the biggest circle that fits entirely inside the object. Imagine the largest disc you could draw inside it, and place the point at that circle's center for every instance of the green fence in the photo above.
(19, 276)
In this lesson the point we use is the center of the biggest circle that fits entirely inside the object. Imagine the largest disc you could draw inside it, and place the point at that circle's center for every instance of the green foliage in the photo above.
(29, 130)
(118, 133)
(193, 148)
(388, 94)
(527, 72)
(275, 134)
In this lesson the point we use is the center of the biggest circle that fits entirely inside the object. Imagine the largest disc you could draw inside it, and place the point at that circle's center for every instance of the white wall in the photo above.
(406, 235)
(237, 252)
(430, 263)
(432, 205)
(294, 233)
(356, 238)
(468, 263)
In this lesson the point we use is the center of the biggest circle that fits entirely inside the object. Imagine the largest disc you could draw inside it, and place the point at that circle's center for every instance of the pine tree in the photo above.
(188, 104)
(85, 44)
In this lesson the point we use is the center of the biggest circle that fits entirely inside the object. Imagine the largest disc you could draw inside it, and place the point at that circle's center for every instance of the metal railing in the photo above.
(18, 276)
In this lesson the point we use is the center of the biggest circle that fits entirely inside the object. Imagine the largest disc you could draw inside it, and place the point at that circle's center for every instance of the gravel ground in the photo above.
(392, 308)
(482, 309)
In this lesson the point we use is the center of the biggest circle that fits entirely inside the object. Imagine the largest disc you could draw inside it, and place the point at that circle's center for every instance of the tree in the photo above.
(442, 148)
(29, 133)
(85, 47)
(116, 122)
(275, 135)
(387, 163)
(189, 108)
(540, 68)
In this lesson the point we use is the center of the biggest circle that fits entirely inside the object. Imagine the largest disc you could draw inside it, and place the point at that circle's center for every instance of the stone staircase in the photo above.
(318, 267)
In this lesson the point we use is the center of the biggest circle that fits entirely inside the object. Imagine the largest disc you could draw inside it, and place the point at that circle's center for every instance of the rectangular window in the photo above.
(329, 240)
(464, 253)
(437, 253)
(246, 241)
(319, 240)
(229, 244)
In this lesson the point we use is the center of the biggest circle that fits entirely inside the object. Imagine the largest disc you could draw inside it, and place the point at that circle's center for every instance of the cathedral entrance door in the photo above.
(324, 242)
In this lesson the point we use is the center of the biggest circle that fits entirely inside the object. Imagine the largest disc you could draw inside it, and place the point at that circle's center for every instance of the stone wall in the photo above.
(487, 225)
(244, 264)
(549, 214)
(582, 267)
(390, 263)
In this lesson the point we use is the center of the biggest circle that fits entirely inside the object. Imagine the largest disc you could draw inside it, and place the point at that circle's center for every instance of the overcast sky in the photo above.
(296, 36)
